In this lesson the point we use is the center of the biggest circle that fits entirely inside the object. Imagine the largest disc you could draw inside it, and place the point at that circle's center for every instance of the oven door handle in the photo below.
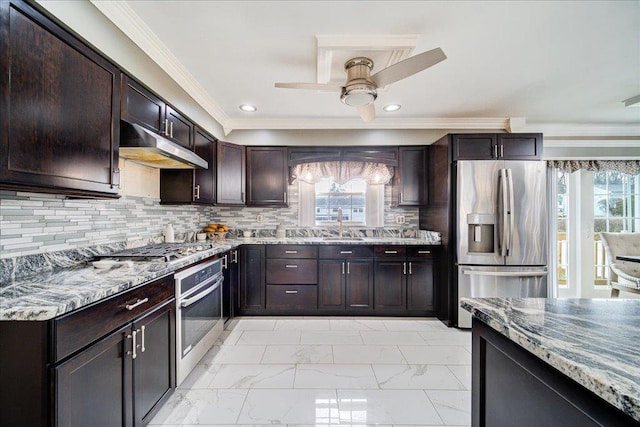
(188, 301)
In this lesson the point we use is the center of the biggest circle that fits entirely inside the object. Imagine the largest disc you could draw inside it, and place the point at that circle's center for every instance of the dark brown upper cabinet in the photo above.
(59, 110)
(511, 146)
(192, 186)
(143, 107)
(231, 162)
(412, 169)
(267, 176)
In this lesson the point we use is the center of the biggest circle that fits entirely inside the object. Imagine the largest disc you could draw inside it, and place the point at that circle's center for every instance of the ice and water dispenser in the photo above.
(481, 232)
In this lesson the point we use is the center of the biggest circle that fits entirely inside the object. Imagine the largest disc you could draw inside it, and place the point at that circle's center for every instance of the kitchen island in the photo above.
(566, 362)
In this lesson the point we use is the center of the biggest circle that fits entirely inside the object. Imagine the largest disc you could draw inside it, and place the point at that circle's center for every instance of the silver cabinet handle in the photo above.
(166, 127)
(290, 252)
(501, 150)
(171, 127)
(136, 304)
(133, 336)
(142, 349)
(343, 268)
(346, 252)
(410, 269)
(404, 268)
(358, 305)
(390, 252)
(224, 262)
(348, 272)
(285, 197)
(234, 256)
(290, 292)
(424, 252)
(495, 151)
(196, 192)
(291, 266)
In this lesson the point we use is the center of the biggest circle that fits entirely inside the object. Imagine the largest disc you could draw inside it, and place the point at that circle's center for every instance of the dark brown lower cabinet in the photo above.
(390, 286)
(252, 292)
(345, 285)
(421, 286)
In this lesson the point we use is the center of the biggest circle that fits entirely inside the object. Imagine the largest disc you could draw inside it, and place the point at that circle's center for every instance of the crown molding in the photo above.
(583, 130)
(125, 18)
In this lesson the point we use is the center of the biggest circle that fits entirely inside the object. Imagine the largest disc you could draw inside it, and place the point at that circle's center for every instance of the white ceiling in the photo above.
(566, 64)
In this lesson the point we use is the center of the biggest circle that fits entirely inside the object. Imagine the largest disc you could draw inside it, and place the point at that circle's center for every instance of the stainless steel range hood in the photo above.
(145, 147)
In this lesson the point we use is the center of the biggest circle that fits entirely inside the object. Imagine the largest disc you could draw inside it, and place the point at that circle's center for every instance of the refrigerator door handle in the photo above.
(511, 213)
(502, 212)
(505, 273)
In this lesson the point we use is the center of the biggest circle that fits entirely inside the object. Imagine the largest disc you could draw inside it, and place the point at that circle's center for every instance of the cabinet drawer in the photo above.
(75, 330)
(389, 251)
(292, 251)
(292, 271)
(421, 251)
(292, 297)
(334, 251)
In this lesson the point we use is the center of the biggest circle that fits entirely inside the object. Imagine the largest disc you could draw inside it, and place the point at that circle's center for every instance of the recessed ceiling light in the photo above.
(391, 107)
(248, 108)
(632, 102)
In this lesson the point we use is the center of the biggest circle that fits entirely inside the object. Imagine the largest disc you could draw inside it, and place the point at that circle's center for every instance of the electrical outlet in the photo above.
(259, 218)
(399, 219)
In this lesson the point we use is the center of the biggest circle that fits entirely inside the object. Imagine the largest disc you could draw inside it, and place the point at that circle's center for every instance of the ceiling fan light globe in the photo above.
(358, 96)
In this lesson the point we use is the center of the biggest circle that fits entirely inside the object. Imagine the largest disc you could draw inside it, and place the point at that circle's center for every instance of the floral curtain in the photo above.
(372, 173)
(631, 167)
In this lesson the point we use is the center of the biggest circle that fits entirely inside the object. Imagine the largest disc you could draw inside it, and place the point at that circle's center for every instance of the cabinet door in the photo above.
(230, 286)
(180, 128)
(252, 279)
(420, 286)
(475, 147)
(520, 146)
(154, 365)
(93, 387)
(267, 176)
(141, 106)
(412, 169)
(390, 286)
(59, 111)
(359, 285)
(205, 179)
(230, 179)
(331, 284)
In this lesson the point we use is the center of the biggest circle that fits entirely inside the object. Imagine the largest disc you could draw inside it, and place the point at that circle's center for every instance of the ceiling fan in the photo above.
(360, 90)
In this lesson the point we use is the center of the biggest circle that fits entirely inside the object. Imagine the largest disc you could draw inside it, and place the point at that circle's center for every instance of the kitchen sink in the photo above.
(343, 238)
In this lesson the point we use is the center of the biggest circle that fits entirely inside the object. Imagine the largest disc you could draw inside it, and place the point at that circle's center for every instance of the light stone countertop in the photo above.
(57, 291)
(592, 341)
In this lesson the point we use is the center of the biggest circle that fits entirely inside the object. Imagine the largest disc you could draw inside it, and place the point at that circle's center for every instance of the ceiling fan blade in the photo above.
(408, 67)
(367, 112)
(310, 86)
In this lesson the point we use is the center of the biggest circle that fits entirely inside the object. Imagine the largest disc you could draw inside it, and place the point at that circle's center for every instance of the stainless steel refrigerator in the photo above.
(501, 225)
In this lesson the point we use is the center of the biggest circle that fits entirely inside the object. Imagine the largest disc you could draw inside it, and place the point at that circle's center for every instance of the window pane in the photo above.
(350, 197)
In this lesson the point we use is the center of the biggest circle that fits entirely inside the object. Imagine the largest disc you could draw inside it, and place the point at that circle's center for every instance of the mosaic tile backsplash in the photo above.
(33, 223)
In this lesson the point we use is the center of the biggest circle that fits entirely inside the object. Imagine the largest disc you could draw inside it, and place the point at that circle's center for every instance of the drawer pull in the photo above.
(424, 252)
(136, 304)
(290, 292)
(390, 252)
(291, 266)
(359, 305)
(142, 349)
(290, 252)
(346, 252)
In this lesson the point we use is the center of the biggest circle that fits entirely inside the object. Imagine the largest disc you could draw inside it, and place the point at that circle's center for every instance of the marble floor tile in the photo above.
(454, 337)
(416, 377)
(249, 324)
(228, 337)
(427, 325)
(303, 324)
(253, 376)
(357, 324)
(392, 338)
(335, 376)
(201, 406)
(386, 407)
(290, 407)
(269, 337)
(436, 355)
(367, 354)
(203, 372)
(240, 354)
(462, 373)
(454, 407)
(298, 354)
(330, 337)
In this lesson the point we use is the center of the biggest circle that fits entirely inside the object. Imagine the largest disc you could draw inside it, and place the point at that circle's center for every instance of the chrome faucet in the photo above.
(340, 222)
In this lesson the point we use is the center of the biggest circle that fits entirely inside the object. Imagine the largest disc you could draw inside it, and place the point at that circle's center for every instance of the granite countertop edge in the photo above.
(624, 395)
(53, 293)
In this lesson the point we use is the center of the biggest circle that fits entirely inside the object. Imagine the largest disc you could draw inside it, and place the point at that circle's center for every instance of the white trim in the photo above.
(582, 143)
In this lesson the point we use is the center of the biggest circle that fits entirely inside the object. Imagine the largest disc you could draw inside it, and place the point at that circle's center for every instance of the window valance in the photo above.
(372, 173)
(631, 167)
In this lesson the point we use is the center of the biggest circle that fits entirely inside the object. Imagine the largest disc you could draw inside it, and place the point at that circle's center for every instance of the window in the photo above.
(350, 197)
(606, 201)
